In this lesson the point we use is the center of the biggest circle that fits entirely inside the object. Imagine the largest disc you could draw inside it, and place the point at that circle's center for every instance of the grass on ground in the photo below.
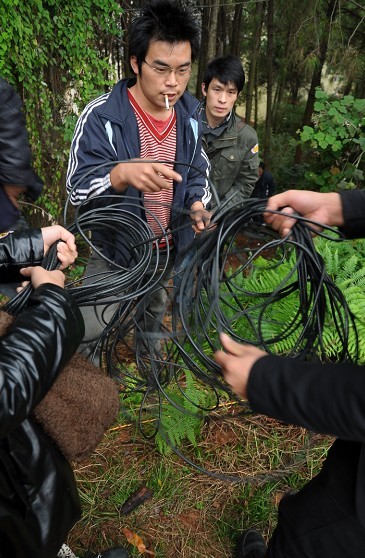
(192, 514)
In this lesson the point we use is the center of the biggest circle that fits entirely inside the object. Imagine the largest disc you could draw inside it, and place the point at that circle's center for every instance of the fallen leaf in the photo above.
(136, 541)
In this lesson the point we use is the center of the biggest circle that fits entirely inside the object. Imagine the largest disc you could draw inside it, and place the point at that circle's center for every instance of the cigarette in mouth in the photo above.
(167, 105)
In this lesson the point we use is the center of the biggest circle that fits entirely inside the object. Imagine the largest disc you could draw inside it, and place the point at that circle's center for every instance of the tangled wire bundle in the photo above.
(220, 287)
(239, 277)
(230, 293)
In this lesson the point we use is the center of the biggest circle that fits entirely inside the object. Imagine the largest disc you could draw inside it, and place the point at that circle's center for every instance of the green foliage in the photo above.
(178, 417)
(53, 53)
(76, 273)
(287, 175)
(283, 145)
(279, 325)
(345, 263)
(337, 141)
(177, 425)
(290, 116)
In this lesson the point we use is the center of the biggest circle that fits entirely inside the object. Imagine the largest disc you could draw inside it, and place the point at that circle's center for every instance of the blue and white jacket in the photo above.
(107, 132)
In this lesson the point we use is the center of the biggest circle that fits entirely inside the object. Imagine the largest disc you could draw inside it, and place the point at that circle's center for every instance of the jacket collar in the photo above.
(217, 130)
(118, 109)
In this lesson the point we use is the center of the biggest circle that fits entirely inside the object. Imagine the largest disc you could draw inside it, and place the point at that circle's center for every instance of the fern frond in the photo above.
(177, 425)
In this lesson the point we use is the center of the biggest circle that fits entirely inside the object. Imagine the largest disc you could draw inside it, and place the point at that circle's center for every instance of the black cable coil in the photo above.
(207, 294)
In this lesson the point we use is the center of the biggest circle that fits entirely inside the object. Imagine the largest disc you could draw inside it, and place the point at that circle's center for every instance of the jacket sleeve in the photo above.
(325, 398)
(19, 249)
(38, 345)
(92, 156)
(198, 188)
(353, 206)
(15, 152)
(248, 173)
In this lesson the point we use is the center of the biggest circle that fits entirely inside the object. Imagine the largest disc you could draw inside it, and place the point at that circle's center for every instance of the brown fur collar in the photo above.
(80, 406)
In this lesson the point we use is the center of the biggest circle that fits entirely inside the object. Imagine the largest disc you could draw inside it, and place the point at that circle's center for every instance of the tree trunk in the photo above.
(235, 42)
(360, 88)
(213, 25)
(254, 54)
(348, 87)
(256, 89)
(281, 81)
(270, 81)
(125, 21)
(202, 61)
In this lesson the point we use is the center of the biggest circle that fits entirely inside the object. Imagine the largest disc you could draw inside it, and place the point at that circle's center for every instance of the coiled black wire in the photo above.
(199, 309)
(206, 296)
(216, 291)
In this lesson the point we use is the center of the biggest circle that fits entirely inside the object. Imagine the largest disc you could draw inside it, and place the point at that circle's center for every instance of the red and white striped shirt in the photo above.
(158, 142)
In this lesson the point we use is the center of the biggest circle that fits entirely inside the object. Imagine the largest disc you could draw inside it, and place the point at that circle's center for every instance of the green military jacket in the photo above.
(234, 160)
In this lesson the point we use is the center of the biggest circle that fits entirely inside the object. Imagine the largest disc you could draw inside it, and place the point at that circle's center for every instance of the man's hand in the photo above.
(66, 250)
(236, 363)
(323, 208)
(38, 276)
(199, 216)
(145, 177)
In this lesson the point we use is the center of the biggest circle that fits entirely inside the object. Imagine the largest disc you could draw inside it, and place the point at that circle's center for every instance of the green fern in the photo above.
(177, 425)
(344, 262)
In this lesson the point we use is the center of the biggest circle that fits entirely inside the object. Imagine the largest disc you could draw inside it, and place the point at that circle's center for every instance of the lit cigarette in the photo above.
(167, 105)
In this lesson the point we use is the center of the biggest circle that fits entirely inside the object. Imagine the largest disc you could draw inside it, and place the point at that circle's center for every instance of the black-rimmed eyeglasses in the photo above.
(165, 71)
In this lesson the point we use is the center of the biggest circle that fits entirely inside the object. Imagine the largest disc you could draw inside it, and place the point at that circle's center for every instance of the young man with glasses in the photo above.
(150, 117)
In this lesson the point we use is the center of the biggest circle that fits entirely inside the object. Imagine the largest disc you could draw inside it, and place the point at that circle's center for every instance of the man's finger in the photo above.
(230, 346)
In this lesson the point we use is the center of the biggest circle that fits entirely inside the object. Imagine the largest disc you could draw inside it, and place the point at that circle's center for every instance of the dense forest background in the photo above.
(304, 63)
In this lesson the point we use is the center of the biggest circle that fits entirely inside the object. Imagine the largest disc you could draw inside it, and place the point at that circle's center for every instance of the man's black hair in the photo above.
(163, 20)
(225, 69)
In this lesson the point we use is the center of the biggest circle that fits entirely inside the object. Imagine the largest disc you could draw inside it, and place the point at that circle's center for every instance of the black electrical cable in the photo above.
(207, 295)
(197, 320)
(310, 280)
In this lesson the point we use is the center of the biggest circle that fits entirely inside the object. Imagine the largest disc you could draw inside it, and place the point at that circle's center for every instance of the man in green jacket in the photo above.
(230, 143)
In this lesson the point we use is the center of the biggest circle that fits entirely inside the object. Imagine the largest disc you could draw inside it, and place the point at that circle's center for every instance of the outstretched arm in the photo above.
(143, 176)
(297, 392)
(26, 248)
(323, 208)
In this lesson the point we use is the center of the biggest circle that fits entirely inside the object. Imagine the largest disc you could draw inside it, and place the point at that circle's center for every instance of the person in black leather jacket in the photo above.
(326, 518)
(38, 496)
(39, 502)
(16, 173)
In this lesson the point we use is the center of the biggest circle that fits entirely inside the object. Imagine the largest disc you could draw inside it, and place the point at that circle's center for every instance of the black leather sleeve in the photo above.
(19, 249)
(39, 344)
